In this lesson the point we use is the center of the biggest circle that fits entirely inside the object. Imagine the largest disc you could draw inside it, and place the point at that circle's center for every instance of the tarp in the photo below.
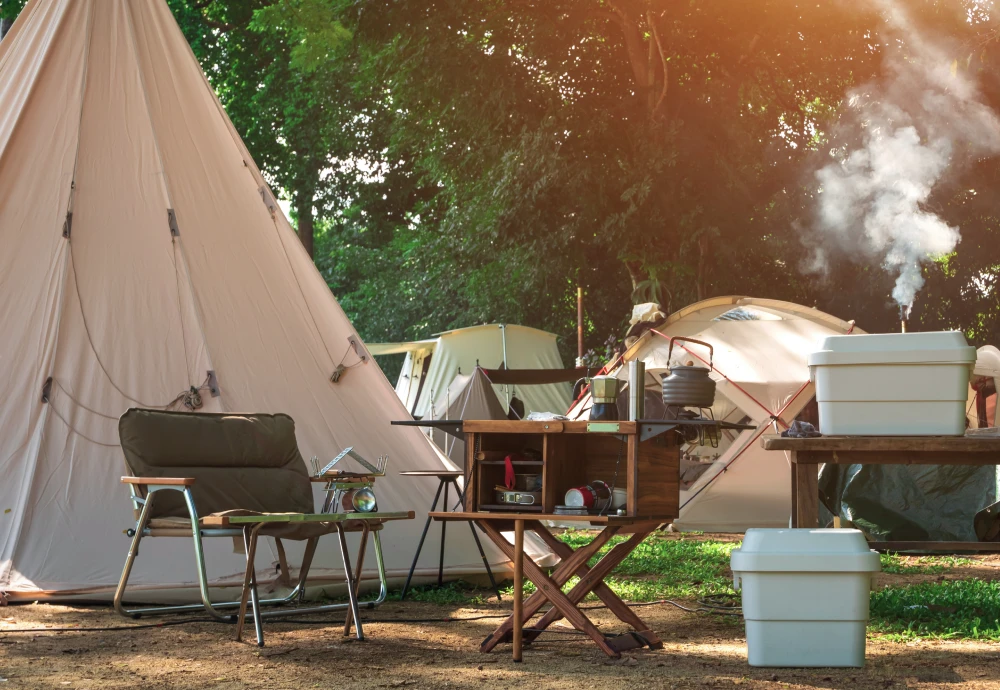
(142, 249)
(760, 352)
(431, 366)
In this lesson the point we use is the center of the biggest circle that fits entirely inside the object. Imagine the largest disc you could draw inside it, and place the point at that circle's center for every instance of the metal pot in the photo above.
(604, 389)
(689, 385)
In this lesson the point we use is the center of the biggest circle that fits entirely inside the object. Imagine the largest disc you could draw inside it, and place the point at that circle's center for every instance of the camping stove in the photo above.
(702, 428)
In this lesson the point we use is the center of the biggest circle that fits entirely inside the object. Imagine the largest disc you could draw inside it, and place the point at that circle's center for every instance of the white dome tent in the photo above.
(431, 366)
(760, 351)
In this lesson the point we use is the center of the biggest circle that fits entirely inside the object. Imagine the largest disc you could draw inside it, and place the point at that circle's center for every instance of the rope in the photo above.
(78, 432)
(744, 449)
(339, 370)
(191, 398)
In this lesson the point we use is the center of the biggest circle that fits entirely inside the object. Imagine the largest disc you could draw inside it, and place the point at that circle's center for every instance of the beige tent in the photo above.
(431, 365)
(142, 250)
(761, 348)
(469, 396)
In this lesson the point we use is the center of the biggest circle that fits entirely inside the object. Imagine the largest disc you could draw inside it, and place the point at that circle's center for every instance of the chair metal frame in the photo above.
(144, 506)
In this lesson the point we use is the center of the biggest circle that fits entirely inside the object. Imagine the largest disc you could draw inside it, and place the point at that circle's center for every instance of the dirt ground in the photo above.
(700, 651)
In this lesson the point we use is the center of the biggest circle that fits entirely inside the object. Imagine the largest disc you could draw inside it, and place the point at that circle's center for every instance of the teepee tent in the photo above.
(143, 256)
(431, 365)
(760, 351)
(468, 397)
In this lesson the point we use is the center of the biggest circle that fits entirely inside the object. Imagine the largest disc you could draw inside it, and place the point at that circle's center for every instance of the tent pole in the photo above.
(579, 327)
(503, 336)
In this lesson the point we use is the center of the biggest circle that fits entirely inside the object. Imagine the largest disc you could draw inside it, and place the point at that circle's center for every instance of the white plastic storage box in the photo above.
(805, 595)
(893, 384)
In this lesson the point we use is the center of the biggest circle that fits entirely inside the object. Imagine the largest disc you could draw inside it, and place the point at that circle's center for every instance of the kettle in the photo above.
(689, 385)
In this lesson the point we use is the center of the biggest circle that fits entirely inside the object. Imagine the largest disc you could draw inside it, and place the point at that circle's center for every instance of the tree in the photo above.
(284, 89)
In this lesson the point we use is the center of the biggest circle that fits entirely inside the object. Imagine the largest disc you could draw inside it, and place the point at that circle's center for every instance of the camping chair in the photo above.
(235, 476)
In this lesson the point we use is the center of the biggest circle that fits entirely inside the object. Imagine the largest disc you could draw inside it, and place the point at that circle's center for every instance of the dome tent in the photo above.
(431, 365)
(760, 351)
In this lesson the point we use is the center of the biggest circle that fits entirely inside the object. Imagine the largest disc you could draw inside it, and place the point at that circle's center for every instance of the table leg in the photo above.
(357, 577)
(352, 596)
(444, 526)
(518, 586)
(592, 579)
(561, 575)
(420, 544)
(552, 592)
(250, 533)
(805, 494)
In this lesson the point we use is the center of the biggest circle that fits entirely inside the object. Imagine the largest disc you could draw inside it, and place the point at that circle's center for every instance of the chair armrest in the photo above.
(162, 481)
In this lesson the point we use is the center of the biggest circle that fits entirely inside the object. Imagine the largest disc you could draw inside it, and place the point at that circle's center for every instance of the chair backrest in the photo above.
(238, 461)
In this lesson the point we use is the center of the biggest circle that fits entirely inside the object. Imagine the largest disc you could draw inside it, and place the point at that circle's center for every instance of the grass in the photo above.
(960, 609)
(690, 569)
(928, 565)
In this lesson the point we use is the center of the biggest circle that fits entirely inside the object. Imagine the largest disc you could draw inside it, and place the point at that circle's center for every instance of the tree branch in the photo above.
(663, 61)
(634, 44)
(201, 5)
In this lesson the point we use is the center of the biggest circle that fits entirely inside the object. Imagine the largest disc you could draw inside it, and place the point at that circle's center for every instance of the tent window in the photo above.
(746, 314)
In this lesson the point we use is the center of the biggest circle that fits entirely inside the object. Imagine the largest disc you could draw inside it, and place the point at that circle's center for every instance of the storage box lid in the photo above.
(942, 347)
(804, 550)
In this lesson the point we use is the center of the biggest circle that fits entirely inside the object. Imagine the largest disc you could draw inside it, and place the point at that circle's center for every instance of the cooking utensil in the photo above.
(594, 496)
(521, 498)
(689, 385)
(604, 391)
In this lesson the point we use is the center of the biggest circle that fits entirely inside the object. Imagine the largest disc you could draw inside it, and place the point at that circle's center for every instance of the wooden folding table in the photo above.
(641, 458)
(549, 586)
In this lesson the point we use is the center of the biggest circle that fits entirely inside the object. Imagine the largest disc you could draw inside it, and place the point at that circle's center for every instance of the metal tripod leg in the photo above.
(420, 544)
(444, 525)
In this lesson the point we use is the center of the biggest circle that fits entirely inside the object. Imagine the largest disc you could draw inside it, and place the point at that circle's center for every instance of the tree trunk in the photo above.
(306, 224)
(5, 25)
(701, 278)
(636, 274)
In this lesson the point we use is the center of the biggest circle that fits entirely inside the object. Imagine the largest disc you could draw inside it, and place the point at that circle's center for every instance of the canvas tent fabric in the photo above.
(431, 366)
(468, 397)
(143, 249)
(761, 348)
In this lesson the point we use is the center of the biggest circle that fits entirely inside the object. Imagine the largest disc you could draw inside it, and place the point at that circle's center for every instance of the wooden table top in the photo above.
(592, 519)
(289, 518)
(876, 444)
(432, 473)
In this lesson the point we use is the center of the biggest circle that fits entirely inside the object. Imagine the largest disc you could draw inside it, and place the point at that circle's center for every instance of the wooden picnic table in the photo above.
(807, 454)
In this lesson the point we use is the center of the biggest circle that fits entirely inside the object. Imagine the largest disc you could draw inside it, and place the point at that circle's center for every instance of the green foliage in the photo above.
(474, 161)
(311, 27)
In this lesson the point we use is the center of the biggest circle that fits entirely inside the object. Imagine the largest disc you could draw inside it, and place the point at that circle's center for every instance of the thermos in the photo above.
(636, 390)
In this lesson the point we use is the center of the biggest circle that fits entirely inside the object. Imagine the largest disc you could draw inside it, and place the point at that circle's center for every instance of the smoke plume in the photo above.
(923, 118)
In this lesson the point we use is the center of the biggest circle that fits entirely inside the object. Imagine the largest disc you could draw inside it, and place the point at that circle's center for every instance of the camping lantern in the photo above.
(363, 500)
